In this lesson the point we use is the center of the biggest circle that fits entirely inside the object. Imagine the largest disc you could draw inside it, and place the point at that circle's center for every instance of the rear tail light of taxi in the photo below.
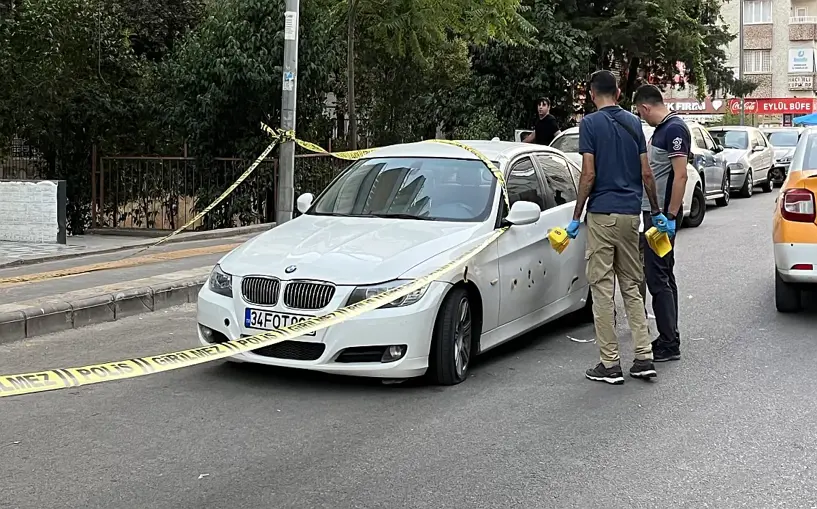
(798, 205)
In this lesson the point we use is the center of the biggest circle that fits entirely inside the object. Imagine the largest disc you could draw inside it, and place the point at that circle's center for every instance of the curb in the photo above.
(188, 237)
(58, 316)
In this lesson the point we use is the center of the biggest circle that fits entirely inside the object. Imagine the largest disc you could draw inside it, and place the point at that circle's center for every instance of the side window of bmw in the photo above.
(558, 178)
(698, 137)
(524, 185)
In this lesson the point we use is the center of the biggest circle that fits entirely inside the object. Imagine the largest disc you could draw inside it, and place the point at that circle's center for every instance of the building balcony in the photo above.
(802, 28)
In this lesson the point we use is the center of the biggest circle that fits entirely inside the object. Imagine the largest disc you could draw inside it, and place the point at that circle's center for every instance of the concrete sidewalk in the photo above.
(65, 292)
(23, 253)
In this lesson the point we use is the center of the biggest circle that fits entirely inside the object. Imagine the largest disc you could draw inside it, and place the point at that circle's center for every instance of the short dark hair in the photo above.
(648, 94)
(603, 83)
(543, 100)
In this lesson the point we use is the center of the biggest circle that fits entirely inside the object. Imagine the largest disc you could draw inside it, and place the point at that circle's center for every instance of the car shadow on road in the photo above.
(278, 378)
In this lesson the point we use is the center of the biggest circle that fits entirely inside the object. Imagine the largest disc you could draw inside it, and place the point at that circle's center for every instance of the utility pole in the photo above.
(289, 100)
(740, 64)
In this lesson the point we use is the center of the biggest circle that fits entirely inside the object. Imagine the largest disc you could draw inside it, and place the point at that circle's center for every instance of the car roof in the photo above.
(575, 130)
(732, 128)
(493, 150)
(781, 128)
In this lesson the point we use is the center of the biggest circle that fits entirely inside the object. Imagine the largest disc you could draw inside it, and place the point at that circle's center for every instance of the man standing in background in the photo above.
(615, 174)
(668, 156)
(546, 127)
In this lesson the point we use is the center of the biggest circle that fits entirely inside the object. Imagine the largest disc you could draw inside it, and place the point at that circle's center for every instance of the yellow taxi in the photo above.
(795, 227)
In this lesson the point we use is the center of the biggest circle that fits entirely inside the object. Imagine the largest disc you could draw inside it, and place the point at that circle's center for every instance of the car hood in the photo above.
(346, 250)
(783, 152)
(733, 155)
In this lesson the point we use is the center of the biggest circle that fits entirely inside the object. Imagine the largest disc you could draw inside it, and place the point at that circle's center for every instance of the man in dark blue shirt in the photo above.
(668, 155)
(615, 173)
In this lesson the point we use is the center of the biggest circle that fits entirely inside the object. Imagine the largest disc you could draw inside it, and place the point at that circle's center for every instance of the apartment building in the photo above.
(778, 54)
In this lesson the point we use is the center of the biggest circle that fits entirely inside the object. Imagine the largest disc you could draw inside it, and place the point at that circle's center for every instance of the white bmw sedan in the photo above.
(400, 213)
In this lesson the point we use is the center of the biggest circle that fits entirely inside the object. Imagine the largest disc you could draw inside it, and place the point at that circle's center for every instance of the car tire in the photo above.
(748, 185)
(787, 296)
(768, 186)
(697, 210)
(727, 192)
(453, 341)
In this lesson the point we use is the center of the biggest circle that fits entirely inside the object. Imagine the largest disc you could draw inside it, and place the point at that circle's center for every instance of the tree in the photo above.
(644, 40)
(414, 32)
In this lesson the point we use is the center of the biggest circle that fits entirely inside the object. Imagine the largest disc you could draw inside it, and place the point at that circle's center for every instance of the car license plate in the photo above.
(271, 320)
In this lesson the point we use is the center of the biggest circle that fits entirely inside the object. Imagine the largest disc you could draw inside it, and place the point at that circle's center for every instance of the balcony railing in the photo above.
(803, 20)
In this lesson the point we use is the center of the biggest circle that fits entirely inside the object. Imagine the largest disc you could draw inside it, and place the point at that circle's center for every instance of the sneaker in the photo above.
(661, 354)
(601, 373)
(643, 369)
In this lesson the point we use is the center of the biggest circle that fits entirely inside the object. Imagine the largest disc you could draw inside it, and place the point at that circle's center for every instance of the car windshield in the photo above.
(567, 143)
(732, 139)
(783, 138)
(417, 188)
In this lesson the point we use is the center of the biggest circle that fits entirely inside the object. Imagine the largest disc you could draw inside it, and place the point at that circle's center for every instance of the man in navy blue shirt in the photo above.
(668, 156)
(615, 173)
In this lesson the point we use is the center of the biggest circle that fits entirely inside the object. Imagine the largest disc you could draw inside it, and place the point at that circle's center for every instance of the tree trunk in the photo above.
(628, 82)
(350, 76)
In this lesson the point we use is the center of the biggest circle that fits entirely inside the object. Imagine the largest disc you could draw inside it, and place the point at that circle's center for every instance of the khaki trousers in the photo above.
(613, 252)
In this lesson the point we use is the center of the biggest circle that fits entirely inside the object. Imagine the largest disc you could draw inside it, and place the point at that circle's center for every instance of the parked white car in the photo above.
(784, 141)
(749, 157)
(399, 214)
(694, 205)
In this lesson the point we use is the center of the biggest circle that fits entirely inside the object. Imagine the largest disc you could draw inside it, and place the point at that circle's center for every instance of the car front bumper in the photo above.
(412, 326)
(787, 255)
(737, 178)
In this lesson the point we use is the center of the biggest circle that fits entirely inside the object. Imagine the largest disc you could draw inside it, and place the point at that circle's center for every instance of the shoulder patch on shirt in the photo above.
(676, 143)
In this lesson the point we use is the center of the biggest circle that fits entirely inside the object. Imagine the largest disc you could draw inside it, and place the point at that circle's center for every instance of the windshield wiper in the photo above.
(403, 216)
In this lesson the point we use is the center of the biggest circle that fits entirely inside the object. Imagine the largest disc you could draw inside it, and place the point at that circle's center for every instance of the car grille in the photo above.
(307, 295)
(260, 290)
(293, 350)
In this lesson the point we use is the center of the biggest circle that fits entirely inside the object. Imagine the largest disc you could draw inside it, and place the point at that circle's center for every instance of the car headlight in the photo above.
(220, 282)
(364, 292)
(785, 159)
(737, 166)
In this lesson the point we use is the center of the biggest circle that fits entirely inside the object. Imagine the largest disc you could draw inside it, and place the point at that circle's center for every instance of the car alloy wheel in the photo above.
(455, 333)
(462, 334)
(748, 185)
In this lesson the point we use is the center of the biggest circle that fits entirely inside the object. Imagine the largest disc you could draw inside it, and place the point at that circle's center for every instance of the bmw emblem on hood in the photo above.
(290, 269)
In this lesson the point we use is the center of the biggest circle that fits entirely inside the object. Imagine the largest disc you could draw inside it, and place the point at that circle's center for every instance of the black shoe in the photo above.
(601, 373)
(643, 369)
(661, 354)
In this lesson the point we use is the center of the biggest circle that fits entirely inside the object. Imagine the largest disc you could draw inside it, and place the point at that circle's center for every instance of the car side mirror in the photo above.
(304, 202)
(718, 148)
(523, 212)
(758, 148)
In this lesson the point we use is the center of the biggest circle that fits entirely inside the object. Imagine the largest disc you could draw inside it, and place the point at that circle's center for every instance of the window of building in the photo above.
(801, 12)
(757, 60)
(757, 11)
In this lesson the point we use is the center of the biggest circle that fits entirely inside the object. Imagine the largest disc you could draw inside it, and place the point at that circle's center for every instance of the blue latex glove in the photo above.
(661, 223)
(573, 228)
(671, 227)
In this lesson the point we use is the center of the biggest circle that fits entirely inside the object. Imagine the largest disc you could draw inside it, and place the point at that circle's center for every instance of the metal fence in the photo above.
(20, 161)
(164, 193)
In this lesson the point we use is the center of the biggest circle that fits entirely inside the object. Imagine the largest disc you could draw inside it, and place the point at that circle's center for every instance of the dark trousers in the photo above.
(659, 278)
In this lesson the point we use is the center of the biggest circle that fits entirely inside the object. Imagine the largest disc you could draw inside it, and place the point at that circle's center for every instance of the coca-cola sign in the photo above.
(773, 106)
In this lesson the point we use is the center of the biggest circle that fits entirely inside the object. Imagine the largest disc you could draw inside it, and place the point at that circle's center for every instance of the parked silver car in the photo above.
(749, 157)
(784, 140)
(694, 205)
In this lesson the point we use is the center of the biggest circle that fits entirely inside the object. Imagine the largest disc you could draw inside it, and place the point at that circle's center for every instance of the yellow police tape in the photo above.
(55, 379)
(51, 380)
(354, 155)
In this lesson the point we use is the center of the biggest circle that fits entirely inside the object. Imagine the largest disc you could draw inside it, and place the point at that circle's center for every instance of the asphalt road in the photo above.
(732, 425)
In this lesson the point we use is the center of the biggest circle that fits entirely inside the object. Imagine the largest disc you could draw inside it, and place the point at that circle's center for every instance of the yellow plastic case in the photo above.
(558, 239)
(659, 242)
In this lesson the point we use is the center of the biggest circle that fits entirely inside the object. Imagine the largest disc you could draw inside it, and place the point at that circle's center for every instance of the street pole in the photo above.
(289, 98)
(740, 64)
